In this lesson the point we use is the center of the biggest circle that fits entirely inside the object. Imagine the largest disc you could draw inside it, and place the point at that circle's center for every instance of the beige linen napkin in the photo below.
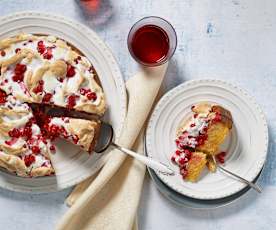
(110, 199)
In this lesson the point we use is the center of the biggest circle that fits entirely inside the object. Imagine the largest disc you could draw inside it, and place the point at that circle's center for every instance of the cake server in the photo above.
(105, 140)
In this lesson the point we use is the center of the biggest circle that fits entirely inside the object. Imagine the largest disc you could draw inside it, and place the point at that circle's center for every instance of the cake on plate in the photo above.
(199, 137)
(37, 71)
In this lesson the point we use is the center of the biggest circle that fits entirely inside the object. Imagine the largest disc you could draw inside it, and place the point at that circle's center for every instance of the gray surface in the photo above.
(230, 40)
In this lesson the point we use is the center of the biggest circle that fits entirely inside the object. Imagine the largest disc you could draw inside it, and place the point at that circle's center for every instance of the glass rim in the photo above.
(172, 51)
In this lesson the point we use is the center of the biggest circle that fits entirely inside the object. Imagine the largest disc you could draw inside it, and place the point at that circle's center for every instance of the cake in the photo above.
(38, 71)
(199, 137)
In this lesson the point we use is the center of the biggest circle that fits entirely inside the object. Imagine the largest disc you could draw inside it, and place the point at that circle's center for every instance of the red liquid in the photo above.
(91, 5)
(150, 44)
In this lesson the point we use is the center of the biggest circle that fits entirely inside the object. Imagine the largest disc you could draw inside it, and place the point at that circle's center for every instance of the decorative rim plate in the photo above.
(72, 166)
(246, 145)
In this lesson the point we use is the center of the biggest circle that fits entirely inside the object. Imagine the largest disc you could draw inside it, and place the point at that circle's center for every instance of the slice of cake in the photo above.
(80, 132)
(23, 149)
(201, 135)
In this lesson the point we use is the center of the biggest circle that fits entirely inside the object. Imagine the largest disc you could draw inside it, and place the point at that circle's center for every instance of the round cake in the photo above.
(39, 71)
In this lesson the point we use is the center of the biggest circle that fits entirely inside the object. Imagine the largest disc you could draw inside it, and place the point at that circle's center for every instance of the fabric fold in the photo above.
(101, 203)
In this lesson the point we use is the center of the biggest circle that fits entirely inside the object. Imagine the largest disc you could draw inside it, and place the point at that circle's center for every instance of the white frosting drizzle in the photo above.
(51, 84)
(57, 121)
(39, 161)
(193, 129)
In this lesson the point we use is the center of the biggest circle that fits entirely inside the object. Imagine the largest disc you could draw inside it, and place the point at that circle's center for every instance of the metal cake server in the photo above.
(105, 140)
(252, 185)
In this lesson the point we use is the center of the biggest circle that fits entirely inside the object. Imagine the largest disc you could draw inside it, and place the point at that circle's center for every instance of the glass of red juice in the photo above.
(152, 41)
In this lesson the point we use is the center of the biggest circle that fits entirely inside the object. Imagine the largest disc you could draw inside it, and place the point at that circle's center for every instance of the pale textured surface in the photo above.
(230, 40)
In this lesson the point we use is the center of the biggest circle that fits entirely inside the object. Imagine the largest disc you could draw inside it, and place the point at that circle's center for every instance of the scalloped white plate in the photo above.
(72, 166)
(246, 145)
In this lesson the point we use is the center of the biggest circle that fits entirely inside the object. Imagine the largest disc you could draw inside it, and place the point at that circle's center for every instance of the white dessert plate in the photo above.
(246, 145)
(72, 165)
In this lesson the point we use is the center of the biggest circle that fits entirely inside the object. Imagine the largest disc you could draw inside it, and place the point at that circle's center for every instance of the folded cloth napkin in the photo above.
(110, 199)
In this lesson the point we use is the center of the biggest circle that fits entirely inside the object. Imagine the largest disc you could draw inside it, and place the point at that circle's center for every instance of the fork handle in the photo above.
(252, 185)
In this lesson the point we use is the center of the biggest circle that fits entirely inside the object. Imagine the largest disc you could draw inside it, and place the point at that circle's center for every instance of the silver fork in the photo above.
(252, 185)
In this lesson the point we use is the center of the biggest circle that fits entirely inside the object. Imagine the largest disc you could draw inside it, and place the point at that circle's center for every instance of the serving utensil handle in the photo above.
(151, 163)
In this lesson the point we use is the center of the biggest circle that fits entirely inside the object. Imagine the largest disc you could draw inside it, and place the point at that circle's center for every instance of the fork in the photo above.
(252, 185)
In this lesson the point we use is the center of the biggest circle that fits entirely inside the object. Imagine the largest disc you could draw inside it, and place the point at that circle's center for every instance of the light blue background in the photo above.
(224, 39)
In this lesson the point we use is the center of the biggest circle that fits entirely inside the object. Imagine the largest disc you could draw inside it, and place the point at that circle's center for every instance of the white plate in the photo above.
(246, 146)
(72, 166)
